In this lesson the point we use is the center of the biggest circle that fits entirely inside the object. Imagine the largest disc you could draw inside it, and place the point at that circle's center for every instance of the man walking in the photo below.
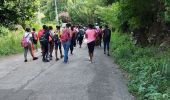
(106, 39)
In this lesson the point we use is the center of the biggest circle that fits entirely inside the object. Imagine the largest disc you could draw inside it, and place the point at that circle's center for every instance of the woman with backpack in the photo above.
(44, 40)
(91, 37)
(65, 40)
(57, 43)
(34, 39)
(73, 39)
(51, 42)
(28, 44)
(80, 35)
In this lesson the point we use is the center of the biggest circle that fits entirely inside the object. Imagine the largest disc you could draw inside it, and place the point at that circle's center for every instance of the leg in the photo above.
(104, 47)
(61, 54)
(64, 46)
(100, 42)
(67, 49)
(56, 51)
(108, 48)
(51, 49)
(71, 48)
(90, 50)
(25, 53)
(31, 50)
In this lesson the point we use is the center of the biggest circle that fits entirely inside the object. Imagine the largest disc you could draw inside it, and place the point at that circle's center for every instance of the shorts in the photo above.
(57, 45)
(35, 42)
(91, 46)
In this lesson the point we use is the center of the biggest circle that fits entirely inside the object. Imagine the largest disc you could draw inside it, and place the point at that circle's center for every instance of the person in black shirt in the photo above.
(106, 39)
(44, 42)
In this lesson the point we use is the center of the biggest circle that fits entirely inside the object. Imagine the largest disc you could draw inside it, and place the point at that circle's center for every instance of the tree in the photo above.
(17, 11)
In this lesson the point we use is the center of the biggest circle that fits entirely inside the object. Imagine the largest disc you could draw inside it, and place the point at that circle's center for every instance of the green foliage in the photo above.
(148, 68)
(17, 11)
(83, 11)
(3, 31)
(10, 42)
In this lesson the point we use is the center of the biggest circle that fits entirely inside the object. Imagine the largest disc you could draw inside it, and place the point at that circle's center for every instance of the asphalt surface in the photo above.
(77, 80)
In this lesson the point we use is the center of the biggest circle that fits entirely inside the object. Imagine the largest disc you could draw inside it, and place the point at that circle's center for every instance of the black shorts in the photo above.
(35, 42)
(91, 46)
(57, 45)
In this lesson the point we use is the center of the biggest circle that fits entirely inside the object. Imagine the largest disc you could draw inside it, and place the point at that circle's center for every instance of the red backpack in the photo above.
(65, 36)
(24, 42)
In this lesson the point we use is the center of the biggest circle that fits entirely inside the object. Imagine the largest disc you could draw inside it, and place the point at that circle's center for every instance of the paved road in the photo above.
(77, 80)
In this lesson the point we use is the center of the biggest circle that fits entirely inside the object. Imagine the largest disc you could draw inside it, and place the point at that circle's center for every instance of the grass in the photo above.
(148, 68)
(10, 41)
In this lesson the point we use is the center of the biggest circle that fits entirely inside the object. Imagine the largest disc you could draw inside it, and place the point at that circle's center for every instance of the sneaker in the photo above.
(46, 60)
(35, 58)
(56, 59)
(25, 60)
(50, 58)
(61, 56)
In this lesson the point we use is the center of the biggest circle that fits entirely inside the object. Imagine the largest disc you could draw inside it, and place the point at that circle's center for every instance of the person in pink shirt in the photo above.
(91, 37)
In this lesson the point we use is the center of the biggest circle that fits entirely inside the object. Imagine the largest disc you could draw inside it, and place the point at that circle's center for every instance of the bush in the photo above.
(10, 41)
(149, 69)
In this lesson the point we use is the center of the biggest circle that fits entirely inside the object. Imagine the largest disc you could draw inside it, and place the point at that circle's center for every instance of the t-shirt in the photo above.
(90, 35)
(40, 33)
(28, 36)
(106, 34)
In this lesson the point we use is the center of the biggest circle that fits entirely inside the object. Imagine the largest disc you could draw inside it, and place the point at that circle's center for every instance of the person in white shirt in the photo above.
(28, 37)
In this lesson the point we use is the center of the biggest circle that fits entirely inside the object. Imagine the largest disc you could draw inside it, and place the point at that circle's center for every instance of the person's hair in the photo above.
(68, 25)
(90, 26)
(27, 29)
(44, 26)
(100, 26)
(33, 29)
(50, 27)
(57, 27)
(106, 26)
(72, 28)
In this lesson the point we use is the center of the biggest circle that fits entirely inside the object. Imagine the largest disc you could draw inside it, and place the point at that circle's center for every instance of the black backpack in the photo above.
(43, 39)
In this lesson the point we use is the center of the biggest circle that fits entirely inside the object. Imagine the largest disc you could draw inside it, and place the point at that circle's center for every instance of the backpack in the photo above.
(34, 36)
(65, 36)
(80, 34)
(24, 42)
(56, 38)
(43, 39)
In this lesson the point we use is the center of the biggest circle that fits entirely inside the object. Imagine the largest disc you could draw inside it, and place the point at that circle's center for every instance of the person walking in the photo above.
(57, 43)
(65, 40)
(100, 33)
(106, 39)
(44, 40)
(51, 42)
(28, 45)
(40, 33)
(73, 40)
(91, 37)
(34, 39)
(80, 36)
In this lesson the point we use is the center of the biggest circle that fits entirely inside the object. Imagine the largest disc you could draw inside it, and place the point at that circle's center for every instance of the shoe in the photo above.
(61, 56)
(104, 52)
(56, 59)
(46, 60)
(108, 54)
(25, 60)
(50, 58)
(35, 58)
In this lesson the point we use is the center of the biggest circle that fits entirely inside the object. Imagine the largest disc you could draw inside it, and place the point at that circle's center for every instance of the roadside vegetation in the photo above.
(140, 43)
(148, 67)
(10, 41)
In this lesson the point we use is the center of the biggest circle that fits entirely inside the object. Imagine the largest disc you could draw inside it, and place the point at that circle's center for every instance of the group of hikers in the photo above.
(65, 38)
